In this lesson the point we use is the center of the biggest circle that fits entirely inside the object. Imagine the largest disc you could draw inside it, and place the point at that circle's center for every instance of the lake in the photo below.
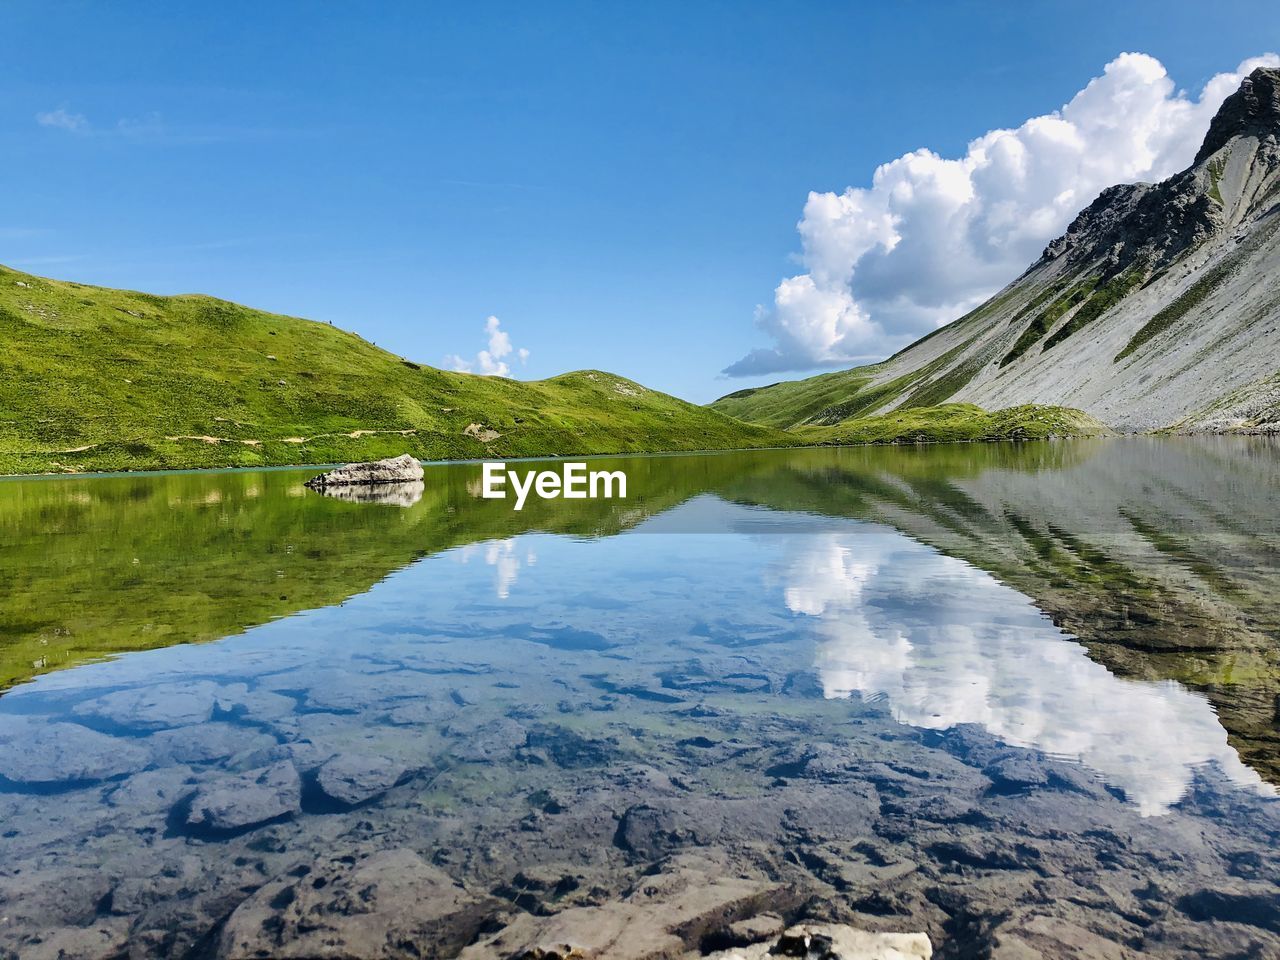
(1024, 697)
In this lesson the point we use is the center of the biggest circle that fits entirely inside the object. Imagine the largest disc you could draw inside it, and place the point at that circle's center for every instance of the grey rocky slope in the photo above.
(1158, 308)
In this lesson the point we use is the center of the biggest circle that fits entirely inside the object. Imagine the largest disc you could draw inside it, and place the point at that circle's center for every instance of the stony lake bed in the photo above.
(1020, 698)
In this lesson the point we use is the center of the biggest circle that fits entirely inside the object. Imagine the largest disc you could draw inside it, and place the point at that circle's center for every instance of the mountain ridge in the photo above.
(1157, 308)
(93, 378)
(97, 379)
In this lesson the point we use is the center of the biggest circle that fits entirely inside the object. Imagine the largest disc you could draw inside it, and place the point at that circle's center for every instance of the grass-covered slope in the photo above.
(900, 381)
(794, 402)
(959, 423)
(100, 379)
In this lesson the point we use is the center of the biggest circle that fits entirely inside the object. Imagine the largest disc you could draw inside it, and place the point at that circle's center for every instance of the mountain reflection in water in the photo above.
(1162, 557)
(947, 644)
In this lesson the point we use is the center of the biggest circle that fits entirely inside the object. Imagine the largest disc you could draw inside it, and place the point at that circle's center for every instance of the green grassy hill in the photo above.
(834, 408)
(100, 379)
(792, 402)
(94, 379)
(957, 423)
(833, 398)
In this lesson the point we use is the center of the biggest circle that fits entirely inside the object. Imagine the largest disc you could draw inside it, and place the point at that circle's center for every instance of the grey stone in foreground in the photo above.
(59, 906)
(664, 915)
(50, 753)
(351, 778)
(392, 904)
(234, 803)
(834, 941)
(403, 469)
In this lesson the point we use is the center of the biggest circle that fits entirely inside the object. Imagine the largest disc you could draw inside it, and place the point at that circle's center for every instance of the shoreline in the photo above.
(1162, 433)
(462, 461)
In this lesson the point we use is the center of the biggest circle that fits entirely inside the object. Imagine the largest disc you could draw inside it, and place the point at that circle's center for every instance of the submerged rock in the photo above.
(666, 914)
(491, 742)
(206, 742)
(233, 803)
(152, 791)
(154, 707)
(402, 469)
(757, 928)
(392, 904)
(350, 778)
(835, 941)
(51, 753)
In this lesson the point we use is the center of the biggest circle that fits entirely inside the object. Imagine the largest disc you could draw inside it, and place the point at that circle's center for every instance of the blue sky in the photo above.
(619, 184)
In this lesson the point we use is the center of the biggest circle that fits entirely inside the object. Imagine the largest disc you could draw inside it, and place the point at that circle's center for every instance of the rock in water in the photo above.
(834, 941)
(391, 904)
(156, 707)
(403, 469)
(46, 753)
(668, 914)
(350, 778)
(234, 803)
(206, 742)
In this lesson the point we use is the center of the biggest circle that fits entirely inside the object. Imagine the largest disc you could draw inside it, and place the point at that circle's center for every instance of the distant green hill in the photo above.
(824, 400)
(839, 408)
(94, 379)
(100, 379)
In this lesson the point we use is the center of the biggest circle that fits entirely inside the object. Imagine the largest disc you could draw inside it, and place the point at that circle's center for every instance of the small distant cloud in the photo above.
(490, 362)
(153, 127)
(150, 125)
(63, 119)
(147, 125)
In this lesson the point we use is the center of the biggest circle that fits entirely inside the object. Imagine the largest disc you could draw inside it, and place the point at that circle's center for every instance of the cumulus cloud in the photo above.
(63, 119)
(490, 362)
(933, 237)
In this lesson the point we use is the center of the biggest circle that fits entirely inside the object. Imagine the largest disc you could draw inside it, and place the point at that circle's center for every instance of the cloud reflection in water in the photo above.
(945, 644)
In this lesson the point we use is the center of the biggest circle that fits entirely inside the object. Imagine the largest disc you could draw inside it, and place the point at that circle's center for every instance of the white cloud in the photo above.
(62, 119)
(150, 125)
(933, 237)
(490, 362)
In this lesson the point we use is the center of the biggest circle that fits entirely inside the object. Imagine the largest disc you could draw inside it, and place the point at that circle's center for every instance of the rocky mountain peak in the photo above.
(1132, 222)
(1253, 110)
(1155, 223)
